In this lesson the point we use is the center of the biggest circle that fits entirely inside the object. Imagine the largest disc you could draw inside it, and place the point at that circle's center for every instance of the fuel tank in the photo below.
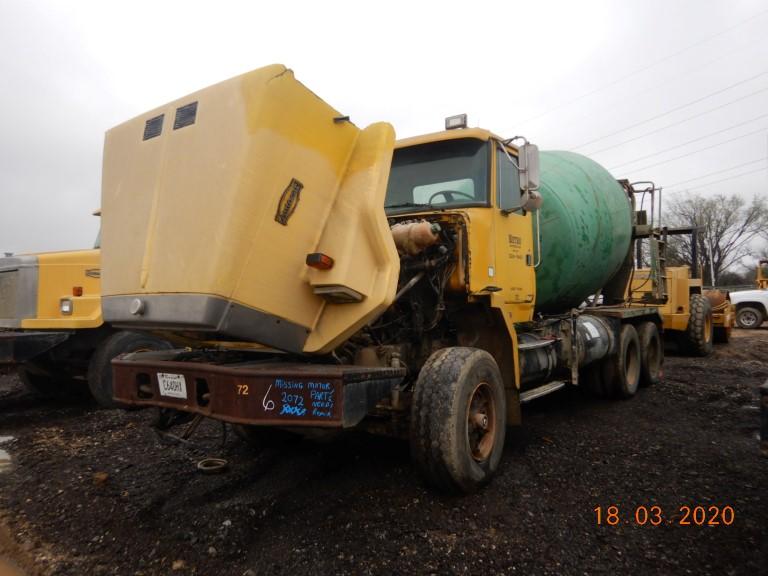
(586, 229)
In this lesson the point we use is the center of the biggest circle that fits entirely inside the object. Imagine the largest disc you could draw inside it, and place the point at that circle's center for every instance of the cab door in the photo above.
(513, 237)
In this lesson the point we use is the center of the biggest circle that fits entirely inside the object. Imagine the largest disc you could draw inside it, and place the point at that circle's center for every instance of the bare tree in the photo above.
(727, 227)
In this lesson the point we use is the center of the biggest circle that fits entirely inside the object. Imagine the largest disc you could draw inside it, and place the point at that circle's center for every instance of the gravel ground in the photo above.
(94, 491)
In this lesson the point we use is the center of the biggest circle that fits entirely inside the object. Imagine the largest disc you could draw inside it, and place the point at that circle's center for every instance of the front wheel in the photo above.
(458, 419)
(698, 336)
(100, 366)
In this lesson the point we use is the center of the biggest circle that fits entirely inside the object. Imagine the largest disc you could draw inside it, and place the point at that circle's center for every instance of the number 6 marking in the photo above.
(268, 404)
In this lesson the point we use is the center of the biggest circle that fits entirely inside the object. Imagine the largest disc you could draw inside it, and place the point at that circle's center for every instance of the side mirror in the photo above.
(528, 160)
(530, 201)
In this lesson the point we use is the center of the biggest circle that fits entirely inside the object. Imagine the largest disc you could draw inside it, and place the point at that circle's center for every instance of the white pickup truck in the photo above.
(751, 307)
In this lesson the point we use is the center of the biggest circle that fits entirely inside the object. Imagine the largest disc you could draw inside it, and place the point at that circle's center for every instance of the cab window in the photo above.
(450, 173)
(508, 181)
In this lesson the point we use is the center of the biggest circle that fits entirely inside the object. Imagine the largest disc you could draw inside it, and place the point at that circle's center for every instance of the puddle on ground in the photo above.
(5, 465)
(8, 569)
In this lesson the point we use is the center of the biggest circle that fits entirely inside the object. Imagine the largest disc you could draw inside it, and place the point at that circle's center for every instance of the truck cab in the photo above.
(51, 327)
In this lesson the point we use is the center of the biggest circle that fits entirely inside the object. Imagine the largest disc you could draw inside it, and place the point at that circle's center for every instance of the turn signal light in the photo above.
(77, 290)
(319, 261)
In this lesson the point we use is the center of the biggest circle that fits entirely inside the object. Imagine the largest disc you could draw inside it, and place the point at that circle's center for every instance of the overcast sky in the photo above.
(671, 91)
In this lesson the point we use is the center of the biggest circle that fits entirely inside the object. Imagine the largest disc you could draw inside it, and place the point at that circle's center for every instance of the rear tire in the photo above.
(458, 419)
(622, 370)
(749, 318)
(100, 366)
(651, 354)
(698, 336)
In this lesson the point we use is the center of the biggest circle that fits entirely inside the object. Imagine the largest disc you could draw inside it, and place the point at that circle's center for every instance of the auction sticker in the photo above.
(172, 385)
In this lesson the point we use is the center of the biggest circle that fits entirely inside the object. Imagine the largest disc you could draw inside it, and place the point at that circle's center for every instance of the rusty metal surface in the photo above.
(261, 393)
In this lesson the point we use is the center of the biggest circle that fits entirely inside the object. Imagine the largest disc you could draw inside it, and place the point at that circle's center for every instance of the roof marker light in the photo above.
(454, 122)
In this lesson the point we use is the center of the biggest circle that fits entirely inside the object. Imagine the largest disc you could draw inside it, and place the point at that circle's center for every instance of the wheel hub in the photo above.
(748, 318)
(481, 422)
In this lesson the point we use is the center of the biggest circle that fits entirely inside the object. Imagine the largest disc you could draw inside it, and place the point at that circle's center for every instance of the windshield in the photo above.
(440, 174)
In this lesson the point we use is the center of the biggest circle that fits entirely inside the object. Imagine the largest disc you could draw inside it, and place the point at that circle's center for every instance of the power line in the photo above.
(717, 172)
(761, 169)
(643, 69)
(720, 143)
(652, 87)
(683, 121)
(705, 136)
(673, 110)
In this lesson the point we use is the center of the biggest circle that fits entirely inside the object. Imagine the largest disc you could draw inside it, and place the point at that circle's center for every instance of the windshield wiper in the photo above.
(408, 205)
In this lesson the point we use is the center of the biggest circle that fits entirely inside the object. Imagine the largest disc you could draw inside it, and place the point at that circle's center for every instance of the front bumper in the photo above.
(268, 392)
(19, 347)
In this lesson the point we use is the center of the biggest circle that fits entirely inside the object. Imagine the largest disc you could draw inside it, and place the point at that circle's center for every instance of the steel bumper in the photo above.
(258, 393)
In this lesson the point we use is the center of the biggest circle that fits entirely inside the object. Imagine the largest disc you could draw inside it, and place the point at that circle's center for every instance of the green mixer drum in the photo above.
(586, 230)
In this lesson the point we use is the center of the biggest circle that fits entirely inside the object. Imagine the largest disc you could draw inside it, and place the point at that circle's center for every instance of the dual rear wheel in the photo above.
(637, 362)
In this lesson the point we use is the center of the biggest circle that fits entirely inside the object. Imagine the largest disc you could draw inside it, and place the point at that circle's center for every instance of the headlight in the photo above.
(65, 306)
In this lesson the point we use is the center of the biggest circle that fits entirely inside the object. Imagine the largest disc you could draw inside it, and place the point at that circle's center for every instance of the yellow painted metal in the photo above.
(677, 310)
(477, 133)
(762, 275)
(500, 247)
(202, 200)
(58, 274)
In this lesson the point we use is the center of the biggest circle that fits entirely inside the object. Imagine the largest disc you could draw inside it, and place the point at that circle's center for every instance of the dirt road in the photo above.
(94, 492)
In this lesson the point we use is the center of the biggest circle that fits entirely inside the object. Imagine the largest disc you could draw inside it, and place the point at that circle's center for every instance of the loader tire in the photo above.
(698, 336)
(749, 318)
(458, 419)
(651, 353)
(100, 365)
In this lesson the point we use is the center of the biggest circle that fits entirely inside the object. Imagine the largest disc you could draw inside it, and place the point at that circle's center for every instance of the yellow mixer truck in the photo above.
(320, 275)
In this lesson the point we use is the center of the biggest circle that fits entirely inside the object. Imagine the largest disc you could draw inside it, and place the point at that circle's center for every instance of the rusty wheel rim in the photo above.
(481, 422)
(708, 328)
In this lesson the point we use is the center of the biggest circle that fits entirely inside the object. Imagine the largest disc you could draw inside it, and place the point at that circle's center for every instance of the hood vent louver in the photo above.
(185, 115)
(153, 127)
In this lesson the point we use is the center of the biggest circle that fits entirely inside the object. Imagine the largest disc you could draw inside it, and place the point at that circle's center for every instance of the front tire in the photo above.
(458, 419)
(100, 366)
(698, 336)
